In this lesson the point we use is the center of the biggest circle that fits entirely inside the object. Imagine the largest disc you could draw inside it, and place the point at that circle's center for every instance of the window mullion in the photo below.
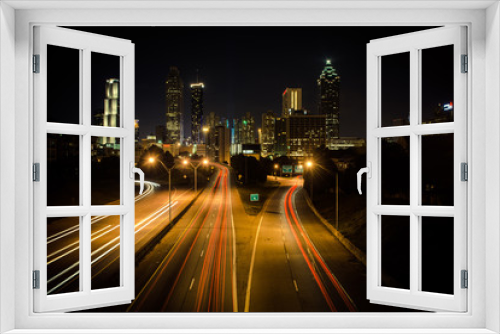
(85, 157)
(414, 169)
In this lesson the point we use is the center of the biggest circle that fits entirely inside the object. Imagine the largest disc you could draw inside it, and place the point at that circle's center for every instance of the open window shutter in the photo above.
(83, 246)
(426, 225)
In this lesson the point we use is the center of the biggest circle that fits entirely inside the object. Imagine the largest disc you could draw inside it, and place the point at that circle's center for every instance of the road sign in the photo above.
(287, 169)
(254, 197)
(299, 169)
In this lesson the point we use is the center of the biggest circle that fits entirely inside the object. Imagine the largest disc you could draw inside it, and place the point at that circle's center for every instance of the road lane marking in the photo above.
(202, 251)
(295, 284)
(191, 285)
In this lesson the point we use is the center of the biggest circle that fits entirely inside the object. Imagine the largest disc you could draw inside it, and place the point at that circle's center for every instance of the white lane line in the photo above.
(252, 264)
(295, 284)
(235, 287)
(191, 285)
(202, 251)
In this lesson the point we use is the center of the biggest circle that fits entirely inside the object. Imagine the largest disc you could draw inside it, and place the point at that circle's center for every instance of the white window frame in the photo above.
(483, 20)
(414, 43)
(123, 50)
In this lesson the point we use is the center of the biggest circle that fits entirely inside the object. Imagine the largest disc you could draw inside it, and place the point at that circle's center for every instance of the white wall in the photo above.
(7, 160)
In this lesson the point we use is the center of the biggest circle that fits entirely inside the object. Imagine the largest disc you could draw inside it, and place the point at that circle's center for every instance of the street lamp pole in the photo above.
(195, 167)
(309, 165)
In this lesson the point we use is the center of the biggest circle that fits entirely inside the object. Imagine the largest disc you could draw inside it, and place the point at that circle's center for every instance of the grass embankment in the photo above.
(263, 189)
(352, 216)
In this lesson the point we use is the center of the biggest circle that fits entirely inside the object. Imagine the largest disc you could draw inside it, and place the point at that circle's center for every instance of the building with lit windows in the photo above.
(297, 136)
(329, 82)
(292, 101)
(175, 107)
(267, 133)
(197, 112)
(111, 115)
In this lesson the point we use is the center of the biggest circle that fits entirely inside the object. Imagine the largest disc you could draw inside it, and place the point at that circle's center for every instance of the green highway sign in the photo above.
(287, 169)
(254, 197)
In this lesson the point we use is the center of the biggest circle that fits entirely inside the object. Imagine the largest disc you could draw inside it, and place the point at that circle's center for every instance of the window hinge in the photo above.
(36, 279)
(464, 279)
(36, 63)
(464, 171)
(36, 172)
(465, 64)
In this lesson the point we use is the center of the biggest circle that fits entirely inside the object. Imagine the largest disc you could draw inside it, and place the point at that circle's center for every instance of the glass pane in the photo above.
(63, 170)
(396, 251)
(437, 254)
(395, 90)
(105, 188)
(63, 255)
(437, 84)
(105, 252)
(105, 90)
(437, 170)
(396, 171)
(63, 85)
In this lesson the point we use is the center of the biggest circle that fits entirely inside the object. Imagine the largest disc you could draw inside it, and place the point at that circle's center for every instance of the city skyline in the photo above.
(245, 69)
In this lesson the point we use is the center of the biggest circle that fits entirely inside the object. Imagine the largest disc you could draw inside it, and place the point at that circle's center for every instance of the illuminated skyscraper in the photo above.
(329, 82)
(267, 144)
(197, 112)
(175, 107)
(292, 101)
(111, 115)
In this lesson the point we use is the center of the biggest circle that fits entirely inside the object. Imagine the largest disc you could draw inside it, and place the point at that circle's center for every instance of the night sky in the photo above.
(246, 69)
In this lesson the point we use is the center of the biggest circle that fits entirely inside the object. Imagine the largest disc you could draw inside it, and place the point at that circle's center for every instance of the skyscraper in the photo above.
(267, 143)
(197, 112)
(292, 101)
(175, 107)
(111, 115)
(329, 82)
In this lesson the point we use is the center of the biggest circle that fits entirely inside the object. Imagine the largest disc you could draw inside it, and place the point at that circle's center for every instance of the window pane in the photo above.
(395, 92)
(396, 171)
(63, 170)
(105, 171)
(437, 84)
(105, 90)
(437, 170)
(105, 252)
(396, 251)
(437, 254)
(63, 85)
(63, 255)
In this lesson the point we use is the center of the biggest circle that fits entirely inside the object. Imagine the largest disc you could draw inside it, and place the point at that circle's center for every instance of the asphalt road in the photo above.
(216, 258)
(63, 240)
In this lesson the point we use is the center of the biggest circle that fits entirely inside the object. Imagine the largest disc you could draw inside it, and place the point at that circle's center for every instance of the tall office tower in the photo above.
(267, 144)
(292, 101)
(329, 82)
(246, 129)
(197, 112)
(175, 107)
(111, 115)
(222, 144)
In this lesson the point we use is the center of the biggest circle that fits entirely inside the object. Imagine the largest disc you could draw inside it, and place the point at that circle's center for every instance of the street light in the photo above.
(169, 170)
(276, 166)
(309, 165)
(195, 167)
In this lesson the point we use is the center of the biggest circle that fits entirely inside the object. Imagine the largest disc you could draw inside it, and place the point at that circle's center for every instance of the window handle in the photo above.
(368, 171)
(134, 170)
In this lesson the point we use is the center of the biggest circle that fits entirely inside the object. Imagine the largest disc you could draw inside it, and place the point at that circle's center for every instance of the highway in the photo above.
(196, 271)
(217, 258)
(63, 239)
